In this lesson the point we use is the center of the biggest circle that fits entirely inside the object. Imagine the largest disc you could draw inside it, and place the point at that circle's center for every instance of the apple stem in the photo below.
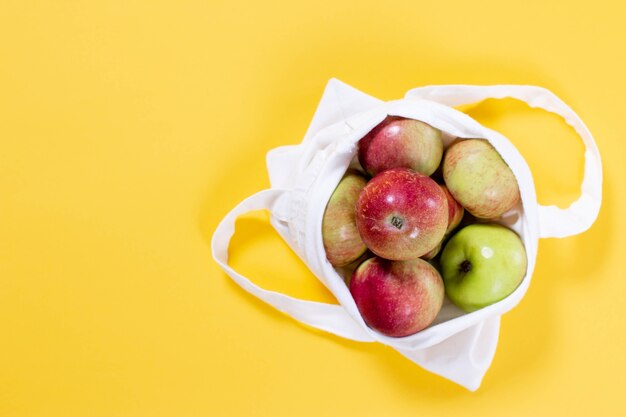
(397, 222)
(465, 266)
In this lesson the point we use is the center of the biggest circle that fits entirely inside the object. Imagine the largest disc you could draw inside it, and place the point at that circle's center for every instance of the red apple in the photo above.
(433, 252)
(341, 238)
(397, 298)
(401, 214)
(400, 142)
(455, 210)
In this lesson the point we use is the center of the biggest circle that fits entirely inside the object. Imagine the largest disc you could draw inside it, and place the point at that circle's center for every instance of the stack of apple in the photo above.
(390, 220)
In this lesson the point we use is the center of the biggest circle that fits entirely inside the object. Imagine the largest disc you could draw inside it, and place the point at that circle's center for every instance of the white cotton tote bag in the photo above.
(458, 346)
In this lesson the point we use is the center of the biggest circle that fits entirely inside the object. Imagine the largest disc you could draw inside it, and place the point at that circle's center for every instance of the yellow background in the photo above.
(129, 128)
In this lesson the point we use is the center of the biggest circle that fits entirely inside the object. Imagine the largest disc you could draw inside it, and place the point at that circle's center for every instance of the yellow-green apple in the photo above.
(397, 298)
(341, 238)
(482, 264)
(455, 210)
(401, 142)
(479, 179)
(346, 271)
(401, 214)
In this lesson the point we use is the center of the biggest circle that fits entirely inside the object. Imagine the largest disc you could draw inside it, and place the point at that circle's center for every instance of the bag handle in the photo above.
(553, 221)
(332, 318)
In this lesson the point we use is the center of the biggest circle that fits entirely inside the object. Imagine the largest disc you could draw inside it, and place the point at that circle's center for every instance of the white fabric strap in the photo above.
(553, 221)
(328, 317)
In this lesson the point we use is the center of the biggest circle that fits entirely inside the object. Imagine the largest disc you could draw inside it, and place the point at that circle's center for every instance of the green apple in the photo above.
(479, 179)
(482, 264)
(341, 238)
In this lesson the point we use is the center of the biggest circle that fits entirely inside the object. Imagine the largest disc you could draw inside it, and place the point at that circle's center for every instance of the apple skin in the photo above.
(479, 179)
(397, 298)
(347, 271)
(430, 255)
(482, 264)
(341, 238)
(401, 214)
(455, 210)
(399, 142)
